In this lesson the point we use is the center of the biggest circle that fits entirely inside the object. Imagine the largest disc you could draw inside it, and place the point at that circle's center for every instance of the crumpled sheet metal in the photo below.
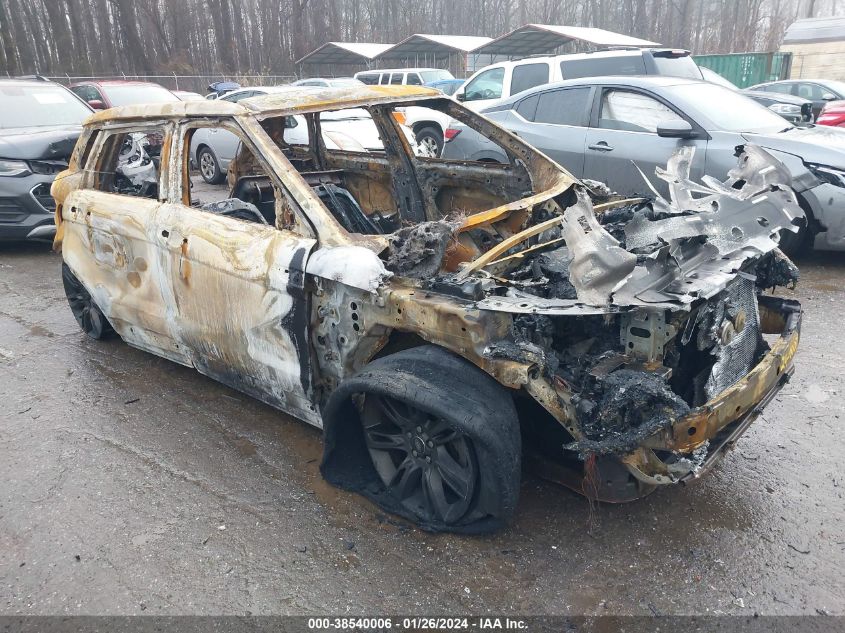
(599, 263)
(735, 220)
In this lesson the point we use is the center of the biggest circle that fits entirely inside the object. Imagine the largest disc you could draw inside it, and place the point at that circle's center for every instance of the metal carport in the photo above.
(435, 51)
(537, 39)
(347, 56)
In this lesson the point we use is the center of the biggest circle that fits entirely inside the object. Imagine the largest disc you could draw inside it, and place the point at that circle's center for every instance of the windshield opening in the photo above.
(39, 106)
(727, 110)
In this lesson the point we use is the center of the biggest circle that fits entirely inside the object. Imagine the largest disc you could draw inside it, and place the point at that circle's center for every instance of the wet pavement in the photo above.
(131, 485)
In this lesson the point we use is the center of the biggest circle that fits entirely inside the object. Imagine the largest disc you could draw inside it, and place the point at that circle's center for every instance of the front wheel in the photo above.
(87, 314)
(428, 436)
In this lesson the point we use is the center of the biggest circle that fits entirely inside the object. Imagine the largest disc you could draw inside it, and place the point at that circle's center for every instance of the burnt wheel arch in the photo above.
(446, 388)
(87, 313)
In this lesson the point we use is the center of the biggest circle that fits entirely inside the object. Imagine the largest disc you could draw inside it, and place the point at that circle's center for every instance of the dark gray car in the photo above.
(819, 91)
(617, 129)
(40, 123)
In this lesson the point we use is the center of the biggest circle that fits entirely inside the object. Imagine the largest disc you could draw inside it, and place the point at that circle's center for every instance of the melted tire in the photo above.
(88, 315)
(460, 418)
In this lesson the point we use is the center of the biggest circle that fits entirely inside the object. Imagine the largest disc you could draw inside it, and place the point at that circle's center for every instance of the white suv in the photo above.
(505, 79)
(427, 125)
(402, 76)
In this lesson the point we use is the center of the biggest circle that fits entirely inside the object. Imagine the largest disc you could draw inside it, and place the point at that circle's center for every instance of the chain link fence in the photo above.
(192, 83)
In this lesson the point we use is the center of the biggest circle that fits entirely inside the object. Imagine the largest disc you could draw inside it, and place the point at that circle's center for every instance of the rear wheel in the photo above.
(209, 167)
(429, 436)
(430, 141)
(87, 314)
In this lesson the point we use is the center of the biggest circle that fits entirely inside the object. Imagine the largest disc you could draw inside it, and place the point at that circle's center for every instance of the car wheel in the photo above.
(209, 167)
(437, 441)
(87, 314)
(430, 142)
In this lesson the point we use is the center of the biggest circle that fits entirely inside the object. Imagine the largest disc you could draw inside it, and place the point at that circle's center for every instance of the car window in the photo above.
(633, 112)
(396, 78)
(414, 79)
(488, 85)
(563, 107)
(670, 64)
(369, 79)
(779, 88)
(242, 189)
(598, 66)
(527, 76)
(806, 91)
(237, 96)
(527, 107)
(129, 163)
(88, 93)
(36, 106)
(430, 76)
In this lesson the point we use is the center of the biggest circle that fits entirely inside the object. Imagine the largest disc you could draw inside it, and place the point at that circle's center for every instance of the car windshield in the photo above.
(836, 86)
(39, 106)
(727, 110)
(435, 75)
(677, 66)
(121, 95)
(447, 87)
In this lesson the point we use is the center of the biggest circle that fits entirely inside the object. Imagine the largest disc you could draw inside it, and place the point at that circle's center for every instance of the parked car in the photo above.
(109, 94)
(40, 122)
(796, 110)
(505, 79)
(501, 80)
(614, 129)
(446, 86)
(185, 95)
(402, 76)
(220, 88)
(819, 91)
(427, 125)
(213, 149)
(333, 82)
(439, 318)
(832, 114)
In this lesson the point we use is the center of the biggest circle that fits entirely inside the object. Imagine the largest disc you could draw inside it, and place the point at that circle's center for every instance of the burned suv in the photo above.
(440, 320)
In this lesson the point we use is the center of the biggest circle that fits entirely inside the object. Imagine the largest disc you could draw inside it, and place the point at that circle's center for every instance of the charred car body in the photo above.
(432, 316)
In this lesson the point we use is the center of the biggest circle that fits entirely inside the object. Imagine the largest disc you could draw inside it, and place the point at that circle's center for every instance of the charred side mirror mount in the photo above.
(461, 96)
(96, 104)
(676, 129)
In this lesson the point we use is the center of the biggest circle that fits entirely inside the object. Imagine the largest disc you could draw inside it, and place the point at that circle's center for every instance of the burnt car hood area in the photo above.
(445, 320)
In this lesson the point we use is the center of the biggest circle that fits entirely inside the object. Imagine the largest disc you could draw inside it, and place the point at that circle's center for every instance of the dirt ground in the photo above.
(131, 485)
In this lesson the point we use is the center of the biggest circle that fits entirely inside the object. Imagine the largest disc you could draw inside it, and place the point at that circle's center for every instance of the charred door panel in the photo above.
(240, 304)
(110, 245)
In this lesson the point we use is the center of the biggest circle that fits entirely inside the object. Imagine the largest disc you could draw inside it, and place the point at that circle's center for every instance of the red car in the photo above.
(833, 113)
(101, 95)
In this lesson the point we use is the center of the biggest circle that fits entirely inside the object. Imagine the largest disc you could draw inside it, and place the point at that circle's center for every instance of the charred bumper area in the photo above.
(643, 322)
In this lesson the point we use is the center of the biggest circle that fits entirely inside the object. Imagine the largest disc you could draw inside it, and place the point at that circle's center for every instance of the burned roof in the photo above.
(296, 100)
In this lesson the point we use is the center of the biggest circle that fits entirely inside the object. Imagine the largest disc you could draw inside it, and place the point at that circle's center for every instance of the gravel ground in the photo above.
(131, 485)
